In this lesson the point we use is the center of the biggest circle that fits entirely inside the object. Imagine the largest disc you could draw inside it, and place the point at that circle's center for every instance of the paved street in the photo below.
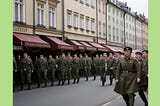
(89, 93)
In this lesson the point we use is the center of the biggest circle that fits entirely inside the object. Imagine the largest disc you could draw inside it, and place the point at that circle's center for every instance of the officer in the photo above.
(75, 68)
(41, 66)
(14, 71)
(110, 67)
(127, 77)
(26, 68)
(143, 78)
(69, 67)
(62, 68)
(96, 65)
(52, 68)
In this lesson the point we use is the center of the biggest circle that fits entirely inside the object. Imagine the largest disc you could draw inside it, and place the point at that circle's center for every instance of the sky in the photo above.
(140, 6)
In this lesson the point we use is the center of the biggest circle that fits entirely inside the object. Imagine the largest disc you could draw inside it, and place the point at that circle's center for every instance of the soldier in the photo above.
(69, 67)
(62, 65)
(110, 66)
(57, 70)
(143, 78)
(104, 68)
(75, 68)
(26, 68)
(81, 64)
(88, 63)
(14, 71)
(52, 68)
(41, 66)
(127, 77)
(96, 65)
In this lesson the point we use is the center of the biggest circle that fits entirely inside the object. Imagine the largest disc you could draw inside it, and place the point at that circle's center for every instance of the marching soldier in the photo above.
(127, 77)
(96, 65)
(41, 66)
(88, 63)
(26, 68)
(69, 67)
(104, 68)
(110, 66)
(143, 78)
(81, 64)
(52, 68)
(75, 68)
(57, 70)
(62, 65)
(14, 71)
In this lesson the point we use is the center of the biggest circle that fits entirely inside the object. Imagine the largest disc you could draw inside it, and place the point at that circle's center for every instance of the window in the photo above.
(69, 18)
(82, 1)
(104, 8)
(113, 11)
(109, 17)
(113, 19)
(87, 2)
(19, 11)
(117, 13)
(40, 16)
(127, 25)
(117, 32)
(113, 38)
(109, 37)
(113, 30)
(75, 20)
(117, 39)
(93, 3)
(117, 21)
(109, 29)
(126, 17)
(126, 35)
(87, 23)
(93, 25)
(109, 8)
(100, 28)
(52, 17)
(82, 21)
(129, 36)
(104, 29)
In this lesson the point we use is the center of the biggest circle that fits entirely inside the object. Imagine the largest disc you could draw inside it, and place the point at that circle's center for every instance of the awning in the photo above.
(29, 41)
(99, 47)
(87, 46)
(114, 48)
(76, 45)
(58, 44)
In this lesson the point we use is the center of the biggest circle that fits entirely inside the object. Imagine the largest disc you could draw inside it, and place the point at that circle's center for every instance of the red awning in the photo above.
(87, 46)
(59, 44)
(99, 47)
(114, 48)
(76, 45)
(29, 41)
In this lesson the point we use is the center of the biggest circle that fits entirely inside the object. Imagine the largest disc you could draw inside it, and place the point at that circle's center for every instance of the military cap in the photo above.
(104, 53)
(138, 52)
(128, 48)
(145, 51)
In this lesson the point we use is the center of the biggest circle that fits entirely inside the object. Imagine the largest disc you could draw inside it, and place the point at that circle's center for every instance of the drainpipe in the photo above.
(63, 37)
(124, 28)
(106, 19)
(33, 17)
(97, 19)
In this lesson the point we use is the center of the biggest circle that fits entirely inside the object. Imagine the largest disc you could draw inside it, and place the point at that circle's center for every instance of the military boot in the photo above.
(68, 81)
(143, 97)
(126, 99)
(74, 81)
(63, 81)
(131, 99)
(29, 86)
(59, 82)
(45, 84)
(87, 78)
(78, 80)
(94, 77)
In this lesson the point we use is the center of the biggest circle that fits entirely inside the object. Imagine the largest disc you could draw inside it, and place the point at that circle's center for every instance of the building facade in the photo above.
(145, 33)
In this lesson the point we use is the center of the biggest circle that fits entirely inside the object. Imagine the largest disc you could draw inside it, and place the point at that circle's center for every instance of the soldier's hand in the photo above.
(138, 80)
(116, 80)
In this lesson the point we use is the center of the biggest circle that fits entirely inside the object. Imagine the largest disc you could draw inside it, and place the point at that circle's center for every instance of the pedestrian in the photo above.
(142, 83)
(75, 68)
(127, 77)
(41, 66)
(26, 70)
(52, 68)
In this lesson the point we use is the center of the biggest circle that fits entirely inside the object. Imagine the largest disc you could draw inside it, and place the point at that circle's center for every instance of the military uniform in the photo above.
(26, 68)
(82, 63)
(62, 65)
(75, 69)
(69, 68)
(52, 69)
(127, 73)
(110, 69)
(96, 65)
(42, 68)
(14, 71)
(87, 64)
